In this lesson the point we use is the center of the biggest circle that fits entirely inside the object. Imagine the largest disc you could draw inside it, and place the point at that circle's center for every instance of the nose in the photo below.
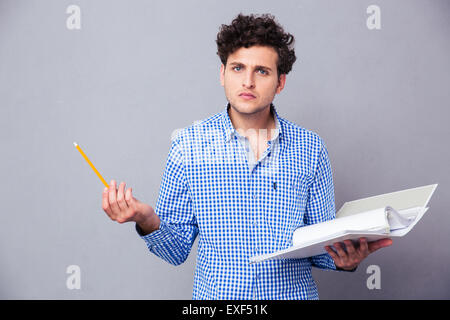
(249, 81)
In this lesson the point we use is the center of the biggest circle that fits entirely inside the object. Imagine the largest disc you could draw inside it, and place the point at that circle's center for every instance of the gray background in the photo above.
(138, 70)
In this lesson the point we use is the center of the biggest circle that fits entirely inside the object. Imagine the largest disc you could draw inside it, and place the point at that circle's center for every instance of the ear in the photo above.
(222, 74)
(281, 82)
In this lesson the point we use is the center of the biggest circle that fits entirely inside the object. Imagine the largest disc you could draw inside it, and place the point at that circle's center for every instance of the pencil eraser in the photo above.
(75, 144)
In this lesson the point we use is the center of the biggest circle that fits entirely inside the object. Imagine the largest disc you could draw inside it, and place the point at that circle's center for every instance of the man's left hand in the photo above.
(349, 258)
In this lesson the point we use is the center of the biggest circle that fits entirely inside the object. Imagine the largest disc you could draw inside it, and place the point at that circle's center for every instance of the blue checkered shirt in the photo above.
(213, 187)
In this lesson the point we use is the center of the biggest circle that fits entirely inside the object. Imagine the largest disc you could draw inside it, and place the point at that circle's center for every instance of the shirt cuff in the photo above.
(158, 236)
(352, 270)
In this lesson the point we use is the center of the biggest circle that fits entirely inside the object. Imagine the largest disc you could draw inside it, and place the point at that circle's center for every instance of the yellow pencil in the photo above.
(90, 163)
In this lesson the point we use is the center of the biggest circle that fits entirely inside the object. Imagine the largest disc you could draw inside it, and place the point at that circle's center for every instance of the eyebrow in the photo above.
(256, 67)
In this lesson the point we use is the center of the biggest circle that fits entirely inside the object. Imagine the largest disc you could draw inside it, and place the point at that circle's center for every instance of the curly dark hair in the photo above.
(246, 31)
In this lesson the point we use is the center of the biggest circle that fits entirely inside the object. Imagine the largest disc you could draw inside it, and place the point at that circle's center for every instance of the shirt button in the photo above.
(254, 196)
(255, 223)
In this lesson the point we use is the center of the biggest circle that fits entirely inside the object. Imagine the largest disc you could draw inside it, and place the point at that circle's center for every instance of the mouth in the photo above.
(247, 96)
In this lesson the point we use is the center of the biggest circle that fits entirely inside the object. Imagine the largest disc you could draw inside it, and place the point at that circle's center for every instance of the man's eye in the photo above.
(236, 67)
(264, 71)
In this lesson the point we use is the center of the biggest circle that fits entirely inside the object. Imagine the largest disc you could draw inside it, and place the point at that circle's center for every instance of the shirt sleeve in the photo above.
(178, 229)
(320, 206)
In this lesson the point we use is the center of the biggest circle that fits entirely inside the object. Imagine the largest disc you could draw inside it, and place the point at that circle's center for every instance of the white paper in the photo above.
(399, 200)
(373, 224)
(371, 221)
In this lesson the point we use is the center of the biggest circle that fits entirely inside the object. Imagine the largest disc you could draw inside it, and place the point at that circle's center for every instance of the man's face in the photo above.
(251, 70)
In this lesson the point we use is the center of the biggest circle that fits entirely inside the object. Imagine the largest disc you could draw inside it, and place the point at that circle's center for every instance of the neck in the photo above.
(250, 124)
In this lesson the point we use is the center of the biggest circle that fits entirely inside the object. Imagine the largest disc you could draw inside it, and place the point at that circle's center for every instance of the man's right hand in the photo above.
(122, 207)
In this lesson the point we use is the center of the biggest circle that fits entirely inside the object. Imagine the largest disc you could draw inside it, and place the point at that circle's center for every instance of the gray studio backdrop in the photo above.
(119, 77)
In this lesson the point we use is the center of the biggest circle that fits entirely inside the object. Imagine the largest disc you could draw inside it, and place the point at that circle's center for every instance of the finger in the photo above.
(131, 201)
(340, 251)
(113, 199)
(350, 247)
(332, 254)
(374, 246)
(121, 198)
(363, 247)
(105, 203)
(128, 197)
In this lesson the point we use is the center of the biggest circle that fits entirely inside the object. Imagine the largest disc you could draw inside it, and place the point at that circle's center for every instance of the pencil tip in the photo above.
(75, 144)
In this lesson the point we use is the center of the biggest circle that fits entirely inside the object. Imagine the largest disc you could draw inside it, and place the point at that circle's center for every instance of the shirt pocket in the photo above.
(286, 211)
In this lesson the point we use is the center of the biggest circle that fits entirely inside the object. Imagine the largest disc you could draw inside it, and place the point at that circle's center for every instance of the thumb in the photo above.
(382, 243)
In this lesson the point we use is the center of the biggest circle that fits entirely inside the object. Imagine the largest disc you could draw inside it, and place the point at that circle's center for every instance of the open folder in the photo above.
(383, 216)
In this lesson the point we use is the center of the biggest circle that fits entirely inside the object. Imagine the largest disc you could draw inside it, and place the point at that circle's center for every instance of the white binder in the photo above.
(384, 216)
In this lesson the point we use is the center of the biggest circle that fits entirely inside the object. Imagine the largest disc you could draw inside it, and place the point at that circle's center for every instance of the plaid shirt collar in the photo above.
(229, 129)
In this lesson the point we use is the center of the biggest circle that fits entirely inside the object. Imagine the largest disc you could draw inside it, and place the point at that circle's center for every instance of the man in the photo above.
(243, 180)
